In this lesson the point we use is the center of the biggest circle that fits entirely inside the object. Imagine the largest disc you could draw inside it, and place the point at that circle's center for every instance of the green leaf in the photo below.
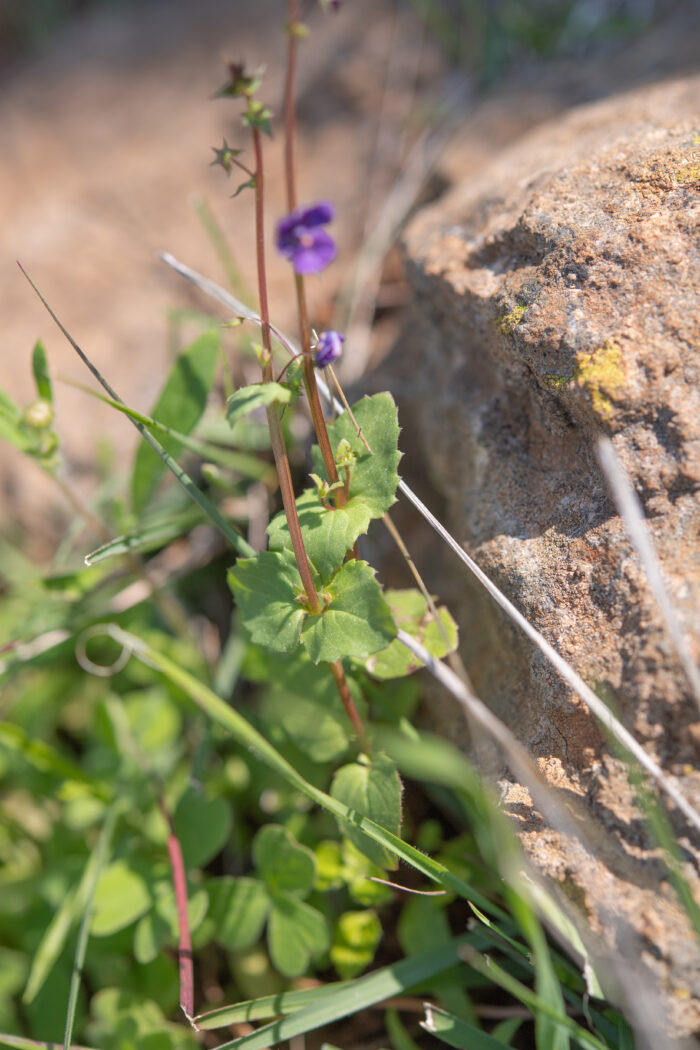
(356, 622)
(303, 700)
(121, 897)
(40, 368)
(266, 589)
(286, 867)
(328, 533)
(411, 613)
(10, 424)
(203, 826)
(181, 404)
(166, 908)
(257, 395)
(296, 932)
(355, 939)
(373, 476)
(151, 933)
(239, 909)
(455, 1032)
(372, 787)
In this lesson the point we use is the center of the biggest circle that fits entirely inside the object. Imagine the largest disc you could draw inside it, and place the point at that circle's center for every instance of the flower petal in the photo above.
(315, 256)
(316, 214)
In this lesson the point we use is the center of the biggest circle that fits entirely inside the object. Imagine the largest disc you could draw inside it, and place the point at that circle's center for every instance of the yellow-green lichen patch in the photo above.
(515, 317)
(602, 375)
(555, 382)
(691, 174)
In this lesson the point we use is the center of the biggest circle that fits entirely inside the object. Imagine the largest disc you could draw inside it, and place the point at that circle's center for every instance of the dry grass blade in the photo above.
(631, 512)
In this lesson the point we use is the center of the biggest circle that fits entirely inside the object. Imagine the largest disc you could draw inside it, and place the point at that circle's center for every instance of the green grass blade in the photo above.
(18, 1042)
(267, 1006)
(146, 538)
(54, 939)
(237, 542)
(364, 992)
(493, 972)
(250, 738)
(181, 403)
(244, 463)
(455, 1032)
(94, 868)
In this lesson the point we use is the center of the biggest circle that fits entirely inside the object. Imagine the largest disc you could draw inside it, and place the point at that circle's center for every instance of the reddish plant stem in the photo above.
(184, 951)
(304, 327)
(273, 419)
(314, 400)
(348, 703)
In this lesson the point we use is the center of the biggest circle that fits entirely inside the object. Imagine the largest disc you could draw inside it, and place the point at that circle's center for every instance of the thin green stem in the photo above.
(96, 864)
(276, 438)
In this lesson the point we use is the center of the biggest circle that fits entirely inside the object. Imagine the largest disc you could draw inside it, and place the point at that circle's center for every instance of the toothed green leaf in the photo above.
(373, 476)
(411, 613)
(357, 620)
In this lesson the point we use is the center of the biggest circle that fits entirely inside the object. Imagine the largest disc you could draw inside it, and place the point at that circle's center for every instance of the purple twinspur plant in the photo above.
(302, 239)
(328, 348)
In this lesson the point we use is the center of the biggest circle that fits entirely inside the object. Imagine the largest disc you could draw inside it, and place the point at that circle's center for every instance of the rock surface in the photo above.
(557, 300)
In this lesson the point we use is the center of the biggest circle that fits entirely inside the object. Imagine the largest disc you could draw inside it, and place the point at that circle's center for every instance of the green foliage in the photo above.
(356, 938)
(355, 621)
(122, 896)
(410, 611)
(371, 786)
(255, 396)
(202, 825)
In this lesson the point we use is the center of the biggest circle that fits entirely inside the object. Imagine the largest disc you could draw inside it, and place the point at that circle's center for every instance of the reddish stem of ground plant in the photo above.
(184, 951)
(276, 439)
(351, 711)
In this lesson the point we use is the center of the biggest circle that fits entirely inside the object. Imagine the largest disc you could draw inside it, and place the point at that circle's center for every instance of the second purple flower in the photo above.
(329, 348)
(302, 239)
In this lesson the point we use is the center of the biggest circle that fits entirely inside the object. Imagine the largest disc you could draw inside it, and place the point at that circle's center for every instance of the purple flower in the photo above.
(301, 239)
(328, 348)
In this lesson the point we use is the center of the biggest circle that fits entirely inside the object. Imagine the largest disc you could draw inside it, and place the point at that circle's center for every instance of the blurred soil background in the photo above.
(106, 129)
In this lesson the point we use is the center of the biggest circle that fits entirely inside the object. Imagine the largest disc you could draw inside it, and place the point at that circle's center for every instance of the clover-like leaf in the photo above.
(238, 908)
(296, 932)
(304, 702)
(357, 621)
(202, 825)
(371, 787)
(257, 395)
(411, 613)
(287, 868)
(355, 939)
(329, 533)
(266, 589)
(373, 476)
(121, 897)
